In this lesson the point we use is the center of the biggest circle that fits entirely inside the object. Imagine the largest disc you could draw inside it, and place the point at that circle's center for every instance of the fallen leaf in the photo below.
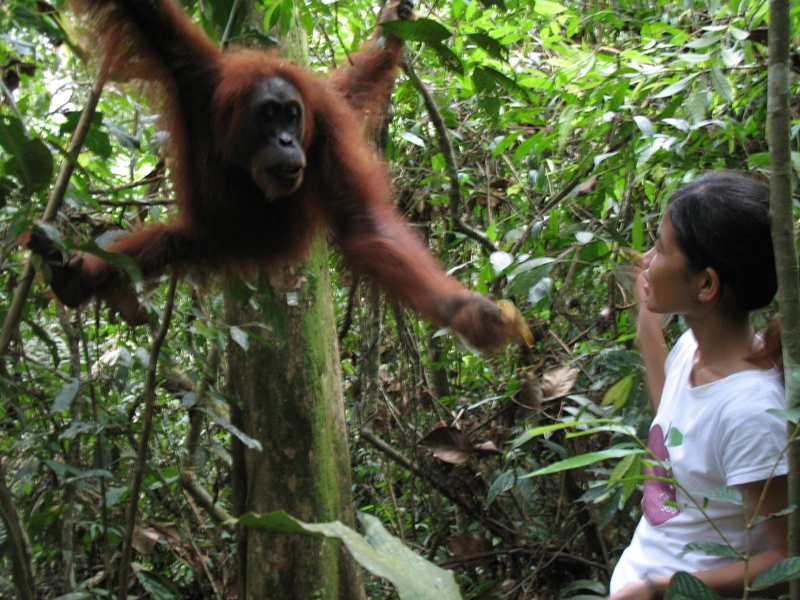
(559, 381)
(448, 444)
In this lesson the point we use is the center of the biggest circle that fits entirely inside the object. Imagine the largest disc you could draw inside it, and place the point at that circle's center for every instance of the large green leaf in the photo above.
(32, 164)
(583, 460)
(782, 571)
(709, 548)
(421, 30)
(379, 552)
(687, 587)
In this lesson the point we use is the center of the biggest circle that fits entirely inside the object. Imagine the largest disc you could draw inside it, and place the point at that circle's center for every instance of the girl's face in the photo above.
(669, 285)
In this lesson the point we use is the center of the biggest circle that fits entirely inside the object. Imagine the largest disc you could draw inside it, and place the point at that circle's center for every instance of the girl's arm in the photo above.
(728, 581)
(651, 341)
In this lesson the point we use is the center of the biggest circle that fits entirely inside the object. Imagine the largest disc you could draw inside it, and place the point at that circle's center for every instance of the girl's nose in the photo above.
(646, 258)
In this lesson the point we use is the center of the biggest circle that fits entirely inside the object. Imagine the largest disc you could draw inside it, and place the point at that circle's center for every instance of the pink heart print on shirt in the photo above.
(658, 492)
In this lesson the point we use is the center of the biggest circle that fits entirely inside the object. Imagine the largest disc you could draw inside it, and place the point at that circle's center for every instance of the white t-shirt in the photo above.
(712, 436)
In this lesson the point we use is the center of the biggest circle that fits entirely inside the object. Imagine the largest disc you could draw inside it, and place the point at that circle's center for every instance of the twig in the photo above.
(131, 185)
(456, 199)
(147, 425)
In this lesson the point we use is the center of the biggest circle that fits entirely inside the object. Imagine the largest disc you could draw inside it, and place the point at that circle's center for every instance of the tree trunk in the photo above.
(784, 240)
(290, 400)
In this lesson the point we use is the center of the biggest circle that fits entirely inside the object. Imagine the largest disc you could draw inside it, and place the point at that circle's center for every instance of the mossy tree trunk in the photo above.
(290, 400)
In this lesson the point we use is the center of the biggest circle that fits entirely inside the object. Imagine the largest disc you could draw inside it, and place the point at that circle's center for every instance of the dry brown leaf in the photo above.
(448, 444)
(587, 187)
(528, 399)
(489, 447)
(144, 540)
(469, 545)
(558, 381)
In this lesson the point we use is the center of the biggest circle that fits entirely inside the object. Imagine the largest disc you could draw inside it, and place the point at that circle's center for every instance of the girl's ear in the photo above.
(709, 284)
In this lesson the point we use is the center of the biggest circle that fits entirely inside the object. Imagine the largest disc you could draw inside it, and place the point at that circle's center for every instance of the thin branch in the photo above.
(128, 186)
(456, 199)
(147, 425)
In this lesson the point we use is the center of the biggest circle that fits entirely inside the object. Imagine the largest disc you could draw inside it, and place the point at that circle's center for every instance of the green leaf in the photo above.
(538, 431)
(582, 584)
(505, 143)
(158, 586)
(709, 548)
(114, 495)
(617, 395)
(792, 415)
(637, 231)
(696, 105)
(32, 164)
(503, 483)
(489, 44)
(728, 495)
(449, 60)
(12, 134)
(540, 290)
(287, 16)
(785, 570)
(776, 515)
(413, 138)
(683, 586)
(583, 460)
(622, 468)
(65, 396)
(694, 59)
(720, 83)
(379, 552)
(240, 337)
(548, 8)
(486, 78)
(677, 87)
(243, 437)
(423, 30)
(644, 125)
(566, 125)
(610, 428)
(44, 336)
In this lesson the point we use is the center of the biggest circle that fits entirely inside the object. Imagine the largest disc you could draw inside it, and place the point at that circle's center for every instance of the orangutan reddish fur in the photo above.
(204, 94)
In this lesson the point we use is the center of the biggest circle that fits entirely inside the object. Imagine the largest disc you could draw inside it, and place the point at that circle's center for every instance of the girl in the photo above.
(713, 264)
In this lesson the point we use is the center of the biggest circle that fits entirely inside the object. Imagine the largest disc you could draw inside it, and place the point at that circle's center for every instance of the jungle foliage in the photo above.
(533, 143)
